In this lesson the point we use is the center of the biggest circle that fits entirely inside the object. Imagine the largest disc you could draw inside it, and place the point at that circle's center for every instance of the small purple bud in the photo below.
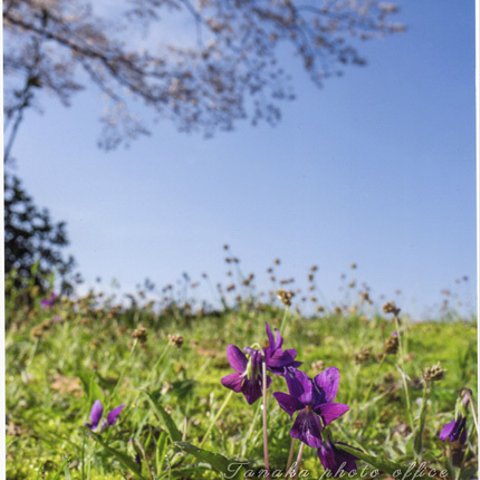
(95, 415)
(113, 414)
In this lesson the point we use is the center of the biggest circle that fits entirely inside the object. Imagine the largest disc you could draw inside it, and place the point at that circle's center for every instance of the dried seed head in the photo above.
(166, 387)
(434, 373)
(390, 307)
(402, 429)
(41, 329)
(285, 296)
(391, 345)
(318, 366)
(175, 340)
(140, 334)
(37, 332)
(365, 297)
(363, 356)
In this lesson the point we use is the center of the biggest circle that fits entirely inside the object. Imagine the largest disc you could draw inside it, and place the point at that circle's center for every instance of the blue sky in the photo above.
(378, 167)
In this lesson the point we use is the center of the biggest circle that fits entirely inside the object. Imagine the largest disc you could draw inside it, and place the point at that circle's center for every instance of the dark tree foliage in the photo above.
(34, 244)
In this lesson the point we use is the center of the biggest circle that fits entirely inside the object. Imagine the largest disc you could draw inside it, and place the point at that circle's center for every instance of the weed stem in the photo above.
(217, 416)
(284, 320)
(290, 454)
(299, 460)
(265, 418)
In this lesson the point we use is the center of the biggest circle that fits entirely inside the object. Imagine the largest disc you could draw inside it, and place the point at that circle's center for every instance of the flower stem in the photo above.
(401, 357)
(125, 369)
(474, 415)
(290, 455)
(216, 417)
(83, 454)
(251, 429)
(400, 342)
(299, 460)
(265, 418)
(372, 383)
(418, 441)
(284, 319)
(407, 397)
(32, 354)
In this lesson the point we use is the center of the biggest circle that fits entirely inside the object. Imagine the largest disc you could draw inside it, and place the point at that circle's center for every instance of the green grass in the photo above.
(54, 374)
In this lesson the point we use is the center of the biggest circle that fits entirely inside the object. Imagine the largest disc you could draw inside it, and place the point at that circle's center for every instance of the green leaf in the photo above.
(124, 459)
(91, 387)
(173, 431)
(63, 471)
(384, 465)
(68, 475)
(161, 452)
(216, 460)
(190, 472)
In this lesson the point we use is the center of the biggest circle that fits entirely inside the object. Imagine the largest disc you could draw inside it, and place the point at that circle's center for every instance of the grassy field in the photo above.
(180, 422)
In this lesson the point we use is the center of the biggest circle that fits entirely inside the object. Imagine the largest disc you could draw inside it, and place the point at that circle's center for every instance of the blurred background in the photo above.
(231, 125)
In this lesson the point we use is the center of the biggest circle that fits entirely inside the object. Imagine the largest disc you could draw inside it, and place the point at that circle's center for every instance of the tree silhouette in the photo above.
(31, 238)
(229, 71)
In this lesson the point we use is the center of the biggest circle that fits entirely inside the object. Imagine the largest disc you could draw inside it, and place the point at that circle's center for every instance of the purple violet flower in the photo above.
(96, 415)
(278, 360)
(454, 430)
(335, 459)
(247, 378)
(49, 302)
(313, 400)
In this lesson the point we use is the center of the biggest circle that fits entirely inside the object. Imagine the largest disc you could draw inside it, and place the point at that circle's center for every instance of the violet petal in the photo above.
(233, 381)
(308, 429)
(328, 381)
(287, 402)
(336, 460)
(331, 411)
(96, 414)
(113, 414)
(299, 385)
(237, 359)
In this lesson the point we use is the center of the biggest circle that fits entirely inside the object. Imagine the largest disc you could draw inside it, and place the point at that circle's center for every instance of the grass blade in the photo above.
(173, 431)
(231, 468)
(124, 459)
